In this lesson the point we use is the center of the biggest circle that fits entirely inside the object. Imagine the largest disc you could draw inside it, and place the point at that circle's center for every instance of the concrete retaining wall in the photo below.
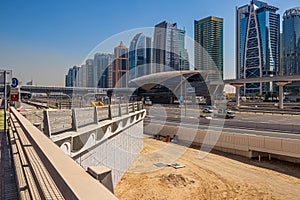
(117, 153)
(240, 144)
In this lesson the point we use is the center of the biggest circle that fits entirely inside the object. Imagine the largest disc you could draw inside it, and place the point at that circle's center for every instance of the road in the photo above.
(172, 111)
(171, 116)
(191, 124)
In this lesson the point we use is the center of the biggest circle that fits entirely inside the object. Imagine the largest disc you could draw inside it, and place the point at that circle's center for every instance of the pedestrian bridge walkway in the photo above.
(45, 164)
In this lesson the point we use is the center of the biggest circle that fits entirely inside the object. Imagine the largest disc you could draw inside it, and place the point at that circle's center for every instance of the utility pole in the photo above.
(5, 102)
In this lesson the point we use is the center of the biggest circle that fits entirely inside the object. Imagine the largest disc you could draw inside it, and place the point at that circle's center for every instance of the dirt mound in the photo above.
(176, 180)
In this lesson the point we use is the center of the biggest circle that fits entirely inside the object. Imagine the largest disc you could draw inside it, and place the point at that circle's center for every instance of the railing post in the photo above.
(133, 109)
(120, 111)
(74, 120)
(95, 115)
(47, 128)
(109, 112)
(127, 107)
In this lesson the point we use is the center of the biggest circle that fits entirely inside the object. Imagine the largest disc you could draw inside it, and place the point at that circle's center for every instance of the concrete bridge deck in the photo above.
(43, 171)
(37, 165)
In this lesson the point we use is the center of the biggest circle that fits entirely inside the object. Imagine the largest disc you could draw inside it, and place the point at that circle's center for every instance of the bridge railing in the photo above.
(43, 171)
(58, 121)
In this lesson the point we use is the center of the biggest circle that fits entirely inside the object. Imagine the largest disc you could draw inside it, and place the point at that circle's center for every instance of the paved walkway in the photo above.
(8, 186)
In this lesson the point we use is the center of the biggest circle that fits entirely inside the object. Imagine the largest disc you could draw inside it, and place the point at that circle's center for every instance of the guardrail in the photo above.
(241, 144)
(43, 171)
(58, 121)
(270, 111)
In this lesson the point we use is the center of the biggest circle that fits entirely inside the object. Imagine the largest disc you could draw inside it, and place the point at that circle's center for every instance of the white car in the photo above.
(148, 102)
(207, 110)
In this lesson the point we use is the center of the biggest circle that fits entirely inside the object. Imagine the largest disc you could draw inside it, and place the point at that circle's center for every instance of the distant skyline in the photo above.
(41, 40)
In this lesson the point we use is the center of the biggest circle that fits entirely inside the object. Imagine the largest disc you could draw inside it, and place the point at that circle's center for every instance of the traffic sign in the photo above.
(14, 82)
(14, 97)
(8, 75)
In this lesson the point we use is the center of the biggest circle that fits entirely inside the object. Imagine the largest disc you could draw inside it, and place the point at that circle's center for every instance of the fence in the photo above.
(43, 171)
(58, 121)
(241, 144)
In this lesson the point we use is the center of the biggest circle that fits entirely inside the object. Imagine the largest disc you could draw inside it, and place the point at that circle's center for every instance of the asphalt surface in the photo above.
(225, 129)
(174, 116)
(172, 111)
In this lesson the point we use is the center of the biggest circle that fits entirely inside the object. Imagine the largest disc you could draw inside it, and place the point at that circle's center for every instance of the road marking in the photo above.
(294, 136)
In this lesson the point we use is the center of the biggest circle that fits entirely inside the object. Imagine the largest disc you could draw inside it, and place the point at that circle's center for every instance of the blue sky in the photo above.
(40, 40)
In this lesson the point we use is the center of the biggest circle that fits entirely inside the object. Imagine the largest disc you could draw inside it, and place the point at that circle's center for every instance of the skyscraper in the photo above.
(181, 45)
(139, 56)
(257, 44)
(83, 75)
(168, 47)
(291, 42)
(186, 62)
(120, 67)
(101, 63)
(72, 77)
(89, 67)
(208, 46)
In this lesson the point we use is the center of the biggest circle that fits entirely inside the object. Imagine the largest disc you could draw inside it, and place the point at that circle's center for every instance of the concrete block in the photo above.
(241, 142)
(228, 140)
(291, 146)
(273, 143)
(256, 142)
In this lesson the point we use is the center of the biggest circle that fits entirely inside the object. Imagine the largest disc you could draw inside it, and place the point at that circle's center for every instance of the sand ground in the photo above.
(217, 176)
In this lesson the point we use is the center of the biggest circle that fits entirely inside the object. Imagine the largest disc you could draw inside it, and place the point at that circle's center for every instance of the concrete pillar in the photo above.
(237, 92)
(280, 85)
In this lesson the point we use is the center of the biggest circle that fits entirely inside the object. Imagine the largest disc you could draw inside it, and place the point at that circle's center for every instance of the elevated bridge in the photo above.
(64, 154)
(278, 80)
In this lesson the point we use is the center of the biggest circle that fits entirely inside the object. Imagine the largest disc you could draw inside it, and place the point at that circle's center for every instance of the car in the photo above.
(230, 114)
(202, 115)
(148, 101)
(208, 110)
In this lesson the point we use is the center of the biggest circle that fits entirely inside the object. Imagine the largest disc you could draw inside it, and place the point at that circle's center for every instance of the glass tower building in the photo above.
(118, 75)
(89, 67)
(139, 56)
(291, 42)
(258, 45)
(72, 77)
(208, 46)
(101, 63)
(168, 47)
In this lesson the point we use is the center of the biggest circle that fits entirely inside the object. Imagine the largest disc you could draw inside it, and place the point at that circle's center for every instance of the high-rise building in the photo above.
(208, 44)
(168, 47)
(257, 44)
(83, 75)
(72, 77)
(139, 56)
(120, 67)
(186, 62)
(101, 63)
(89, 72)
(291, 42)
(181, 38)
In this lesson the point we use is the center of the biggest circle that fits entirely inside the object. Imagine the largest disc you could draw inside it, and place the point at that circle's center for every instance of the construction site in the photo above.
(217, 176)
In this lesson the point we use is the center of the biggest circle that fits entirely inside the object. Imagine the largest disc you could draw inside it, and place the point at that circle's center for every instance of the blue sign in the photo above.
(14, 82)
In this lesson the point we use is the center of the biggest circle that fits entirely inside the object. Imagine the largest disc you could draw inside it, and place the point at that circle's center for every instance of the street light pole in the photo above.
(185, 97)
(5, 102)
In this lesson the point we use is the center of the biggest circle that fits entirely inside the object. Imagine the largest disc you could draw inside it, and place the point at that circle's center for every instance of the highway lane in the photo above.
(248, 117)
(224, 129)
